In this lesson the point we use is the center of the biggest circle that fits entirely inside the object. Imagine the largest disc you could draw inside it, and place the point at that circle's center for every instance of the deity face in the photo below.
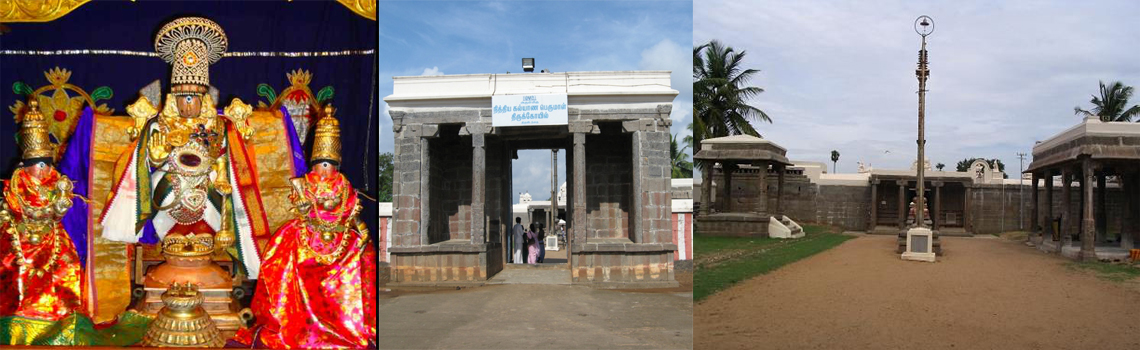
(39, 170)
(189, 106)
(324, 169)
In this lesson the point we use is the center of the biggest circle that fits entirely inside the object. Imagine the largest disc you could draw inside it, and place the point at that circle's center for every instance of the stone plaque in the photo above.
(918, 243)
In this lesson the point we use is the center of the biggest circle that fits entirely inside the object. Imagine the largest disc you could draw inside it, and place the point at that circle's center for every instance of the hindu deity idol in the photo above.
(190, 179)
(317, 280)
(41, 278)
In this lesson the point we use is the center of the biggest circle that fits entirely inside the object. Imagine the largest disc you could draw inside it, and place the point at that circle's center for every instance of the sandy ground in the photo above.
(985, 293)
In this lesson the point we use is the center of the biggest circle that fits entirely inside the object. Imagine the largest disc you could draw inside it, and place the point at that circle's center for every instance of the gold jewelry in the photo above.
(326, 139)
(191, 45)
(34, 134)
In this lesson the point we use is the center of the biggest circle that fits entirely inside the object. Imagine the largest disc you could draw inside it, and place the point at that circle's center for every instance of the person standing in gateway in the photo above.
(516, 242)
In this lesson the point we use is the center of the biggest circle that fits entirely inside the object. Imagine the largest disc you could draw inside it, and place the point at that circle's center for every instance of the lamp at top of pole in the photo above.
(924, 25)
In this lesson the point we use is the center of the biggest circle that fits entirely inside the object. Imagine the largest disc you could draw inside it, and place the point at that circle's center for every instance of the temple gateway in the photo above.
(452, 182)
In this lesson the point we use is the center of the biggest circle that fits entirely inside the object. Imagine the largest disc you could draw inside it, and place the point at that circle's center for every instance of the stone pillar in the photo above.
(1088, 239)
(902, 203)
(937, 217)
(1101, 218)
(423, 204)
(1034, 232)
(764, 189)
(580, 188)
(780, 189)
(874, 221)
(578, 224)
(706, 188)
(478, 181)
(726, 171)
(425, 191)
(966, 216)
(1049, 203)
(408, 228)
(1128, 218)
(1066, 233)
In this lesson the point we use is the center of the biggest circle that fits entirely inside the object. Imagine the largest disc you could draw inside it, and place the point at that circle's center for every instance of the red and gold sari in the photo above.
(40, 273)
(316, 288)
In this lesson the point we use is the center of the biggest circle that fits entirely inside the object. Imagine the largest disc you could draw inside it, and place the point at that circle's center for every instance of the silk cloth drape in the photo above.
(303, 302)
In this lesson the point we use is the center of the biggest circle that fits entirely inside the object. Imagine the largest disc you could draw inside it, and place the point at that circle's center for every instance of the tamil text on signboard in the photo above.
(521, 110)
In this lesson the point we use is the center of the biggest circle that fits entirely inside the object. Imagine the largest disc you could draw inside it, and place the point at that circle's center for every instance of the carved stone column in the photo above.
(1088, 237)
(726, 170)
(1066, 233)
(1034, 232)
(937, 219)
(427, 132)
(1128, 217)
(578, 222)
(902, 203)
(874, 221)
(763, 189)
(1049, 204)
(1101, 197)
(478, 181)
(966, 225)
(780, 189)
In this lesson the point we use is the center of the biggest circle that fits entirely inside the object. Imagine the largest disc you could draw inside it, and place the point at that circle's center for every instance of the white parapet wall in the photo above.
(683, 219)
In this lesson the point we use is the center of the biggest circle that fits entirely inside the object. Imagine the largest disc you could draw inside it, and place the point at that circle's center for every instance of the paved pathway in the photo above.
(549, 274)
(526, 316)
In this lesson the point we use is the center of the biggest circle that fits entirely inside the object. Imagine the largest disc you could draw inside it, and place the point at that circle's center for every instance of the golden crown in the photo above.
(34, 134)
(191, 45)
(326, 139)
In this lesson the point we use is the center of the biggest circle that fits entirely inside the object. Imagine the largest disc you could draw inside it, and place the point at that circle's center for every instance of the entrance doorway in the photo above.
(538, 181)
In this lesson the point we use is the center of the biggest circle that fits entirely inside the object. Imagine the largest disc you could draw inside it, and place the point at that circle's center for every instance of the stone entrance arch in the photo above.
(452, 181)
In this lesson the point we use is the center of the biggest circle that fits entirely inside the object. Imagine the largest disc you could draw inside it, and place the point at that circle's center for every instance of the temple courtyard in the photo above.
(985, 292)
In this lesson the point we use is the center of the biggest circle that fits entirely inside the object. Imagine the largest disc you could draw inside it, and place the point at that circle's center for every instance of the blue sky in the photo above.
(467, 37)
(840, 75)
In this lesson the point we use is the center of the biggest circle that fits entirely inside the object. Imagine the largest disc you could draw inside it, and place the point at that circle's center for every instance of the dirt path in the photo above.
(984, 293)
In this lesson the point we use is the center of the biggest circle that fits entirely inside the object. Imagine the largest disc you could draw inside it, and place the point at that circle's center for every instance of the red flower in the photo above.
(60, 116)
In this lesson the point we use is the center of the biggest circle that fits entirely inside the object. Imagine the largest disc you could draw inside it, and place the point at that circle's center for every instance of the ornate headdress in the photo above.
(326, 139)
(191, 44)
(34, 137)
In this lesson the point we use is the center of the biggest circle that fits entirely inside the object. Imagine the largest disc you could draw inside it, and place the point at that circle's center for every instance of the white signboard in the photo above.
(524, 110)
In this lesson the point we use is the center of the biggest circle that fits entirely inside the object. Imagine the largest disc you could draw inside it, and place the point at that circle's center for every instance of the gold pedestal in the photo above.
(182, 322)
(215, 283)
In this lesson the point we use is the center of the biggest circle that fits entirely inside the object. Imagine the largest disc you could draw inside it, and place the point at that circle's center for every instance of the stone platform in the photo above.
(732, 224)
(1072, 250)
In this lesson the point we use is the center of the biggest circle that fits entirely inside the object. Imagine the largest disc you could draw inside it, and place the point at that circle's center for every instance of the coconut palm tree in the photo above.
(1112, 105)
(834, 159)
(682, 167)
(720, 100)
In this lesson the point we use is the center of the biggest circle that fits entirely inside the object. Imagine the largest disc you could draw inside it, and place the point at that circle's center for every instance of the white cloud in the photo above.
(667, 55)
(432, 71)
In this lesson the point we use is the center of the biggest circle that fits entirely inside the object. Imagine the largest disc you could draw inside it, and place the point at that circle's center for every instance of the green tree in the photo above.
(385, 177)
(682, 167)
(1112, 105)
(940, 166)
(720, 100)
(964, 165)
